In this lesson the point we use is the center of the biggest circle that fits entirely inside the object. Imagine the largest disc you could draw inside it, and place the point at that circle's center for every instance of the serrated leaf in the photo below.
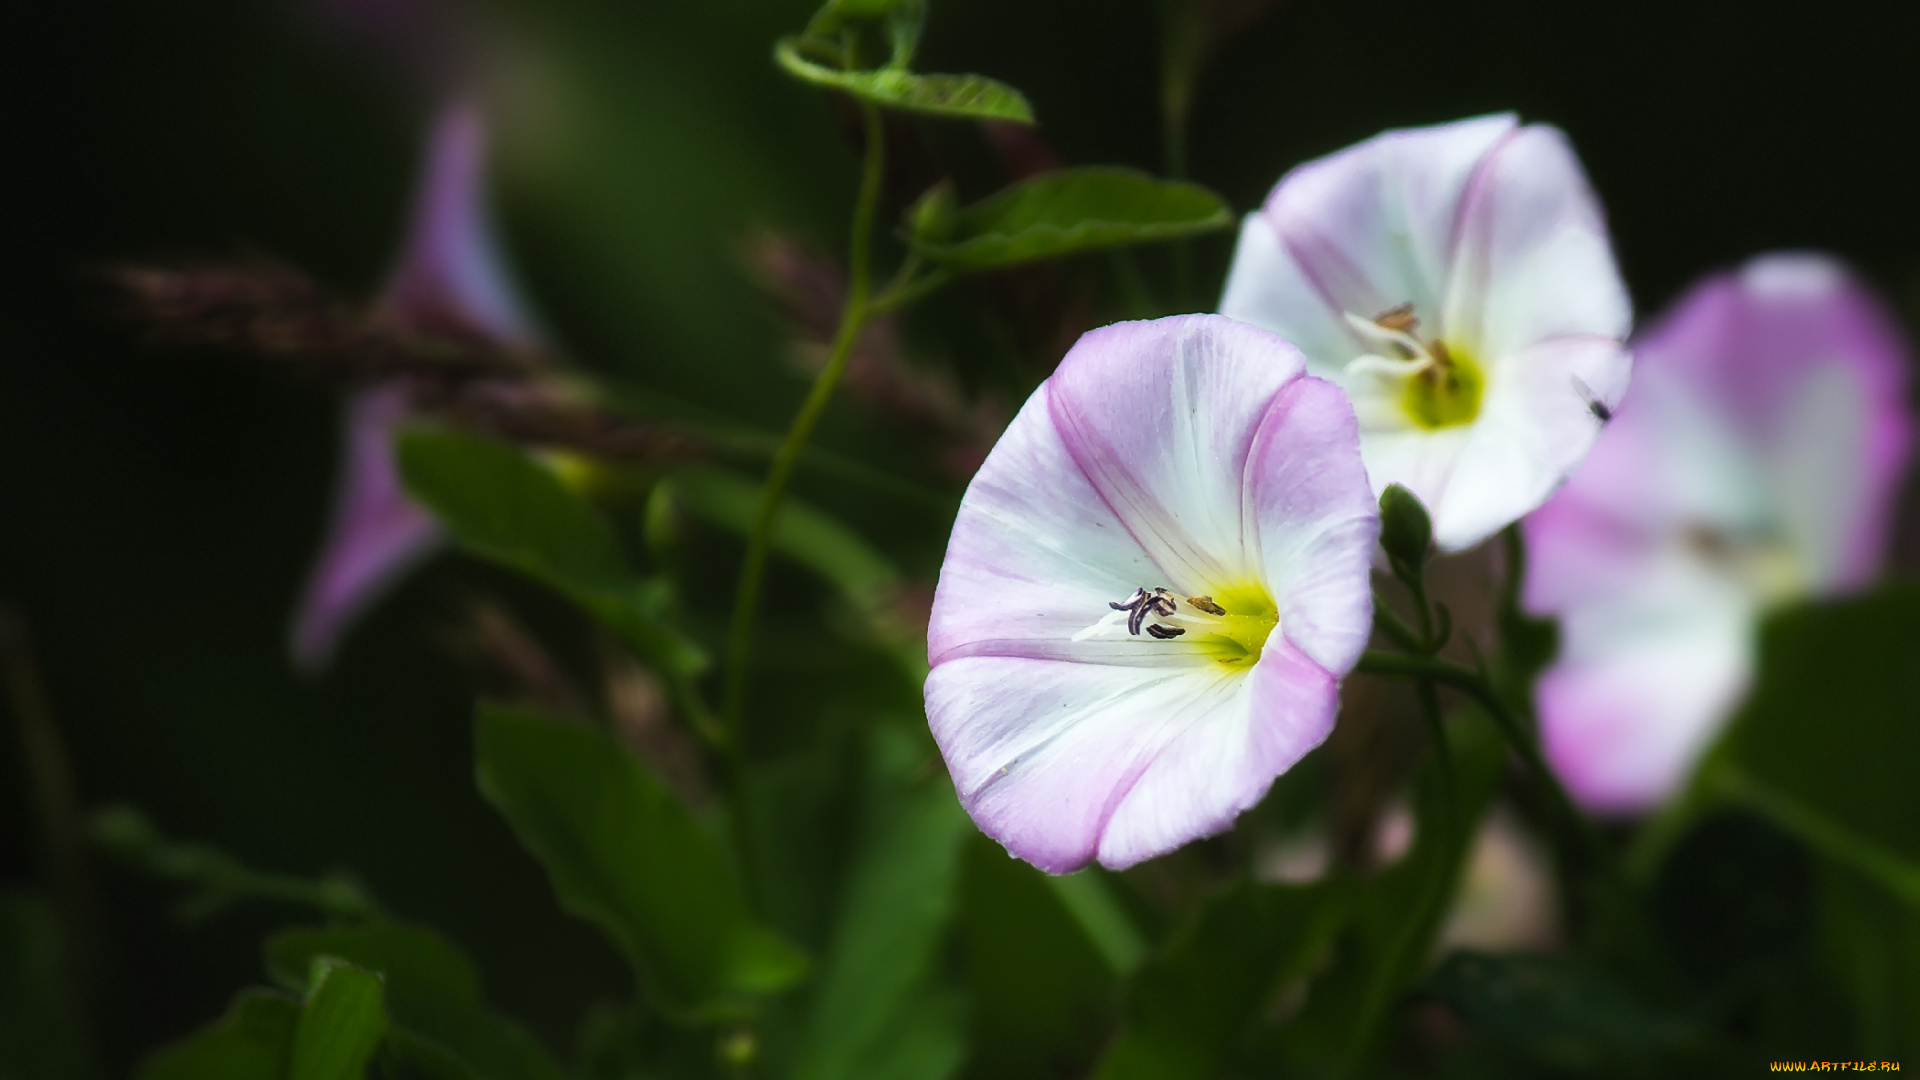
(625, 855)
(504, 506)
(1062, 213)
(973, 97)
(251, 1042)
(340, 1025)
(433, 998)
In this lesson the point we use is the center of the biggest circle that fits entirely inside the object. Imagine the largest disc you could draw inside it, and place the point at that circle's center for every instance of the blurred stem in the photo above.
(63, 836)
(853, 319)
(1434, 671)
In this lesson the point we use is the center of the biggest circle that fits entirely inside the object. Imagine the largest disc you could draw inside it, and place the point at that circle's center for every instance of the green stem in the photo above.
(1471, 683)
(760, 541)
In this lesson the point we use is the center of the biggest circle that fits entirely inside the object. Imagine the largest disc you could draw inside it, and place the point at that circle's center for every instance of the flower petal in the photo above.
(1061, 761)
(1535, 427)
(1315, 522)
(377, 534)
(1624, 722)
(1036, 555)
(450, 269)
(1160, 416)
(1808, 373)
(1532, 260)
(1366, 229)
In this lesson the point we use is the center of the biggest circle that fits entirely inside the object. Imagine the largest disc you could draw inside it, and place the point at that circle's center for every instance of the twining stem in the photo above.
(853, 319)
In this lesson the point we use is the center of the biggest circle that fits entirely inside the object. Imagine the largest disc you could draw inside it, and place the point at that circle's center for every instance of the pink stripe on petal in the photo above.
(1315, 522)
(1160, 416)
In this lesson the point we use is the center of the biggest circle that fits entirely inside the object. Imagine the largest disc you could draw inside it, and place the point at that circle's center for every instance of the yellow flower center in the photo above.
(1236, 636)
(1445, 393)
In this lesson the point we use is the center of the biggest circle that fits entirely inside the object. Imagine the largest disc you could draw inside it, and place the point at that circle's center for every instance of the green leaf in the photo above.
(250, 1043)
(1556, 1010)
(1191, 1006)
(433, 998)
(625, 855)
(341, 1024)
(503, 505)
(1043, 995)
(1394, 917)
(973, 97)
(1088, 897)
(1062, 213)
(873, 1014)
(1843, 784)
(802, 533)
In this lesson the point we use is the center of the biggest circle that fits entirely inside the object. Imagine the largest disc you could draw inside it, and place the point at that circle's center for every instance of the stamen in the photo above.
(1165, 633)
(1130, 602)
(1386, 335)
(1399, 317)
(1206, 604)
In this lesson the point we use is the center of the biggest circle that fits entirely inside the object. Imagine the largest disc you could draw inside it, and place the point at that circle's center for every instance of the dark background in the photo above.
(158, 508)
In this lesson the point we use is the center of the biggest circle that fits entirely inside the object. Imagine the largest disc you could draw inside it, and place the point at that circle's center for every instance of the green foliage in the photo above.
(1843, 784)
(1043, 994)
(1060, 213)
(439, 1021)
(1392, 919)
(340, 1025)
(1188, 1010)
(252, 1042)
(878, 1010)
(219, 879)
(503, 505)
(802, 533)
(970, 97)
(624, 854)
(1556, 1010)
(41, 1032)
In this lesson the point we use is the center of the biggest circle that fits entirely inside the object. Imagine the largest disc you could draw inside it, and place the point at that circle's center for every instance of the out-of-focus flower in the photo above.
(1458, 282)
(448, 278)
(1154, 584)
(1755, 462)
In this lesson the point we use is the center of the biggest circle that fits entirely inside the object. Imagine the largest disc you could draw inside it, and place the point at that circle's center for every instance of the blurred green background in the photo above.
(158, 508)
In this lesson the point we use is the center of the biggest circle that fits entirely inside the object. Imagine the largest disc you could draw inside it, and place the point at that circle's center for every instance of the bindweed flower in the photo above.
(448, 276)
(1154, 584)
(1755, 462)
(1458, 282)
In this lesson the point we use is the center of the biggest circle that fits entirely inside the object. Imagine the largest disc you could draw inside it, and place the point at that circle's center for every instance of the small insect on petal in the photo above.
(1206, 604)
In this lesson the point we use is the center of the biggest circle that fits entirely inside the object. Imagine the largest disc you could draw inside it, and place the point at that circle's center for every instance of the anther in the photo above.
(1165, 633)
(1398, 318)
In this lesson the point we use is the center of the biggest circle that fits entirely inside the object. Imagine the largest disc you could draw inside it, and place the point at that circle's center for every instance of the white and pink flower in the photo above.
(1155, 583)
(1458, 282)
(1755, 462)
